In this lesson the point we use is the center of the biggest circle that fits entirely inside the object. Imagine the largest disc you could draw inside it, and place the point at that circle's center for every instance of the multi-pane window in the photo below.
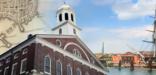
(23, 66)
(47, 65)
(78, 72)
(86, 73)
(14, 69)
(6, 71)
(25, 51)
(77, 53)
(1, 72)
(69, 70)
(58, 68)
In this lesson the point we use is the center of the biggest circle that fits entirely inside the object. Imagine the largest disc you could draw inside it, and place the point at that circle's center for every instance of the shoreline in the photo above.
(134, 68)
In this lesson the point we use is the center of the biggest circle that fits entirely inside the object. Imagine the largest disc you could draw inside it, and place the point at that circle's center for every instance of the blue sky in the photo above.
(117, 23)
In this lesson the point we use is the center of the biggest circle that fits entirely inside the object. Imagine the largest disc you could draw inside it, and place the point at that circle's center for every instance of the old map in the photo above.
(20, 12)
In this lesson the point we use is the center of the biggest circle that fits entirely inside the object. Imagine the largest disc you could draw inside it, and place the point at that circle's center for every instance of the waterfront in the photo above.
(126, 71)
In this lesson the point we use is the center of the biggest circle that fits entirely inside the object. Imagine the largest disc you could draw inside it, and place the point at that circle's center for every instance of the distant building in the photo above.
(126, 59)
(62, 53)
(106, 59)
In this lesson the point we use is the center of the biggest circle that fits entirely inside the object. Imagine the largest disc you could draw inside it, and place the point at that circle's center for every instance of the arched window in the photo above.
(60, 31)
(74, 31)
(92, 61)
(66, 16)
(78, 72)
(69, 70)
(86, 73)
(58, 42)
(47, 65)
(60, 17)
(58, 68)
(77, 53)
(72, 17)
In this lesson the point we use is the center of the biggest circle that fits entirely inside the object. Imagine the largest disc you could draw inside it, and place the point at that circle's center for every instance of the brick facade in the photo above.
(36, 53)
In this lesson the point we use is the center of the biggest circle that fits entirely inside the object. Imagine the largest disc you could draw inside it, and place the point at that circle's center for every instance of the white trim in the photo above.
(23, 60)
(16, 55)
(8, 60)
(65, 53)
(1, 64)
(19, 48)
(59, 61)
(87, 73)
(71, 36)
(1, 72)
(78, 69)
(60, 43)
(15, 64)
(47, 56)
(6, 69)
(25, 51)
(72, 43)
(70, 68)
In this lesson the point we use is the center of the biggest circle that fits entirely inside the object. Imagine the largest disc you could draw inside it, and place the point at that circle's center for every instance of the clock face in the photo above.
(18, 18)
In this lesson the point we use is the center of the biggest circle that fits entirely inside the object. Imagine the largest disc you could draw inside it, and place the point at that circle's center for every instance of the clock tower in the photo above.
(66, 21)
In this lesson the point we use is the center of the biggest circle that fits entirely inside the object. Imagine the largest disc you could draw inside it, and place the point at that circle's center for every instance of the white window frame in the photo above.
(70, 68)
(78, 69)
(6, 69)
(15, 64)
(16, 56)
(8, 60)
(58, 41)
(49, 73)
(1, 64)
(1, 71)
(59, 61)
(25, 51)
(23, 60)
(87, 73)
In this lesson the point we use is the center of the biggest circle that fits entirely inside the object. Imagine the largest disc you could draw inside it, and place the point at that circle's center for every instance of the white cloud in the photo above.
(130, 10)
(52, 5)
(115, 39)
(103, 2)
(134, 32)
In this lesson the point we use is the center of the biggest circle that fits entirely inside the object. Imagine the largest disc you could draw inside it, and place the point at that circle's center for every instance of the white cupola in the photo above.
(66, 21)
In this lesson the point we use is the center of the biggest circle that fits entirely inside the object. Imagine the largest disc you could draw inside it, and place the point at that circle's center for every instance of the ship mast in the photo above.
(154, 35)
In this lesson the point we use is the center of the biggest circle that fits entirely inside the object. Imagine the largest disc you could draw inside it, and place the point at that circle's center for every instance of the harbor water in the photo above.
(127, 71)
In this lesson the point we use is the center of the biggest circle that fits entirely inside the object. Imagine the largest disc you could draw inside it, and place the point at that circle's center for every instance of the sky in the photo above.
(120, 24)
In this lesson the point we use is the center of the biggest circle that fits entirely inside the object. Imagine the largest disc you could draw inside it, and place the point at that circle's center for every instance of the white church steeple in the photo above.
(66, 21)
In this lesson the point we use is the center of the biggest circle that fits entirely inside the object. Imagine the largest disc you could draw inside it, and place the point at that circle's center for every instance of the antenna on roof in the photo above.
(103, 48)
(64, 2)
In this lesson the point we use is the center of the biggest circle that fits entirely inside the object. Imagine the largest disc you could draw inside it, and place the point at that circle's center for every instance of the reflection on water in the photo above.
(127, 71)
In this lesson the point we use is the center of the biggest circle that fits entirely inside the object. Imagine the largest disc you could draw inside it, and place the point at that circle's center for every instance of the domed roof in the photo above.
(64, 6)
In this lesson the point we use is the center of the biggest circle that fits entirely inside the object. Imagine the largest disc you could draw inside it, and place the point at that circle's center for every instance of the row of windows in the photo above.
(14, 70)
(66, 17)
(25, 51)
(47, 68)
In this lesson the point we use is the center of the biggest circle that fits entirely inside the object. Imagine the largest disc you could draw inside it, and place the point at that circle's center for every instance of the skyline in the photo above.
(113, 22)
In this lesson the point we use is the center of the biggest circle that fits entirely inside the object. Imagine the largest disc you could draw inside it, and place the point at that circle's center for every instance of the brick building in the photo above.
(61, 53)
(126, 59)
